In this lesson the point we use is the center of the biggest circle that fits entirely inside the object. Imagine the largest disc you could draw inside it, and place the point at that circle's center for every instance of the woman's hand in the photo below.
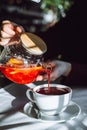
(10, 33)
(59, 68)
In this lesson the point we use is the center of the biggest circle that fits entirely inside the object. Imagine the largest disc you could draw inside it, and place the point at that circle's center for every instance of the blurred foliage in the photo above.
(59, 7)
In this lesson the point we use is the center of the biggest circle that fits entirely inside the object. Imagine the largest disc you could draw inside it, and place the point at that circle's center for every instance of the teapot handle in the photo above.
(3, 52)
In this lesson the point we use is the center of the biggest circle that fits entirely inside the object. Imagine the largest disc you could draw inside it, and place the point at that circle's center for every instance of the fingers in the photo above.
(7, 33)
(39, 78)
(45, 77)
(10, 33)
(8, 28)
(19, 29)
(4, 34)
(5, 21)
(4, 41)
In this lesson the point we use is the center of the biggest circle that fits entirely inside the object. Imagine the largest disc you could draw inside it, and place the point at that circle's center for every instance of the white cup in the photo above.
(50, 104)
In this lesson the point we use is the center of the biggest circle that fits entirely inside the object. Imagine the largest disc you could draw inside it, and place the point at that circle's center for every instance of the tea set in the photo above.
(21, 63)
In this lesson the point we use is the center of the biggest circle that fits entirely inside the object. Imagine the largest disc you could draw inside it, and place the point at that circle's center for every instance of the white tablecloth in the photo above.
(12, 117)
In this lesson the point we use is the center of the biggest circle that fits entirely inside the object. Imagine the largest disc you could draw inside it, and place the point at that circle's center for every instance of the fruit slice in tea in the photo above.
(16, 71)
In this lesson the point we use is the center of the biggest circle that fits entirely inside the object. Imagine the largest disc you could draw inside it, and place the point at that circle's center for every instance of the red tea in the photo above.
(53, 91)
(16, 71)
(21, 75)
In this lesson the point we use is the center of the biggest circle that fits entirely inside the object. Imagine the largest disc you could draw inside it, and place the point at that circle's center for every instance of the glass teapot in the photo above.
(22, 62)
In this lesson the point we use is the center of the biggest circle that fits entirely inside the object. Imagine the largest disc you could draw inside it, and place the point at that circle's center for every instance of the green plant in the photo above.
(59, 7)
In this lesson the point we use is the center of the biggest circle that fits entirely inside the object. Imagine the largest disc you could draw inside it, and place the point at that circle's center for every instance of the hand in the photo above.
(59, 68)
(10, 33)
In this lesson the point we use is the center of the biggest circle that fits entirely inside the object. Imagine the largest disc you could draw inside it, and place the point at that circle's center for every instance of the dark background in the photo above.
(69, 36)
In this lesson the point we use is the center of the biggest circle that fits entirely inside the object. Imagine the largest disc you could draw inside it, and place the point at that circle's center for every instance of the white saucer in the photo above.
(71, 112)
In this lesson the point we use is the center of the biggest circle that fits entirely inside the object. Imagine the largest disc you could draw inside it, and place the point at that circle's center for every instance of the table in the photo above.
(12, 117)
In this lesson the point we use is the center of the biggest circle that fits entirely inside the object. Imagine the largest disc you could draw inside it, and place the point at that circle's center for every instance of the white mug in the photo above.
(50, 104)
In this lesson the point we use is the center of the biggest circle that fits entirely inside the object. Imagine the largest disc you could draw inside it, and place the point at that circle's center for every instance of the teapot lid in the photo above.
(33, 43)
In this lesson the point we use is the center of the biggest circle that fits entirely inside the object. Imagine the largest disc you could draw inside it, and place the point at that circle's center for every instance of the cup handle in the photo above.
(30, 95)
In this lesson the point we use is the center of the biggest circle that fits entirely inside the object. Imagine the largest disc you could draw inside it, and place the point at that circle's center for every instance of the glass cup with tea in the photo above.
(50, 100)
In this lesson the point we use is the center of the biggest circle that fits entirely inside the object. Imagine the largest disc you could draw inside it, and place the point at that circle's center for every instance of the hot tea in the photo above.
(50, 101)
(53, 91)
(21, 73)
(16, 71)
